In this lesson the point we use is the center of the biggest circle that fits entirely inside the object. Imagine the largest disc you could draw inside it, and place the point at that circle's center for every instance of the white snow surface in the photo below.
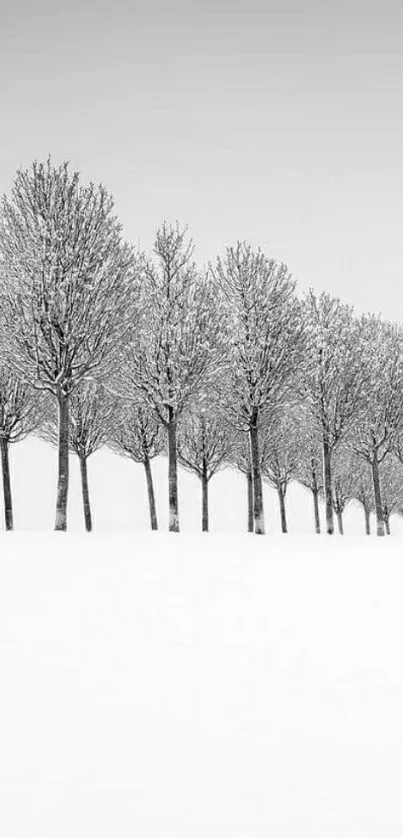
(208, 686)
(119, 496)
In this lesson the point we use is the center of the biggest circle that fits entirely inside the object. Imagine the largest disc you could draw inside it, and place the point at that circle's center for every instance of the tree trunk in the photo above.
(86, 494)
(8, 502)
(249, 482)
(173, 474)
(151, 495)
(63, 463)
(367, 521)
(315, 495)
(387, 524)
(204, 500)
(377, 495)
(258, 513)
(340, 522)
(281, 497)
(327, 475)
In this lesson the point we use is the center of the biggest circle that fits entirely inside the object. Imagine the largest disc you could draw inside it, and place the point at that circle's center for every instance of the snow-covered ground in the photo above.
(216, 686)
(119, 498)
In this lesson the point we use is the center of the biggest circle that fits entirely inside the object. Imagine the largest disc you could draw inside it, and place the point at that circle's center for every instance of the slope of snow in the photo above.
(219, 686)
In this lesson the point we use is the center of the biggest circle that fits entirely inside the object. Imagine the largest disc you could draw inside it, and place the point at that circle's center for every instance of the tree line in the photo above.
(103, 344)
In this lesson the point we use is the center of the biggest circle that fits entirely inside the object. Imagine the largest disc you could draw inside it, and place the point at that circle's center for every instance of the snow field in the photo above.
(216, 686)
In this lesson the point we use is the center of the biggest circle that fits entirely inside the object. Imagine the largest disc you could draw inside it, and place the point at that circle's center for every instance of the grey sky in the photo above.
(278, 122)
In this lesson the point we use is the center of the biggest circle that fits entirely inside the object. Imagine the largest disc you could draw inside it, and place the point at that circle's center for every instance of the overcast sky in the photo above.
(278, 122)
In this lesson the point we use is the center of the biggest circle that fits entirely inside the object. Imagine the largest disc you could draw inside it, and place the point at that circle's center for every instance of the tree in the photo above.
(203, 448)
(376, 431)
(391, 478)
(280, 452)
(308, 469)
(363, 489)
(397, 450)
(66, 289)
(20, 415)
(91, 414)
(136, 433)
(264, 340)
(332, 380)
(168, 362)
(343, 484)
(240, 458)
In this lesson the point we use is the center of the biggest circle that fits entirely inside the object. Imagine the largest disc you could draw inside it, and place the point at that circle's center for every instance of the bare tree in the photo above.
(91, 414)
(168, 362)
(280, 452)
(240, 458)
(203, 446)
(343, 483)
(309, 465)
(333, 378)
(376, 432)
(66, 289)
(397, 450)
(20, 415)
(137, 434)
(363, 489)
(264, 340)
(391, 479)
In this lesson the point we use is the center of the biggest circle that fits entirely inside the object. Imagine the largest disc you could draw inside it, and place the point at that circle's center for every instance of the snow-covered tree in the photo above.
(136, 433)
(377, 427)
(309, 465)
(280, 453)
(332, 380)
(66, 288)
(240, 459)
(391, 479)
(363, 489)
(91, 414)
(264, 340)
(204, 444)
(168, 361)
(20, 415)
(397, 450)
(343, 483)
